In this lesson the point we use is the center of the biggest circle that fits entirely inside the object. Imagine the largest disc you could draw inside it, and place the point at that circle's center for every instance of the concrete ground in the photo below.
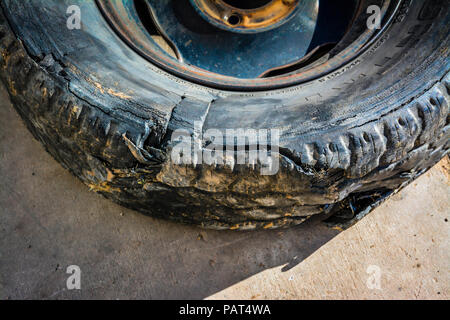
(49, 221)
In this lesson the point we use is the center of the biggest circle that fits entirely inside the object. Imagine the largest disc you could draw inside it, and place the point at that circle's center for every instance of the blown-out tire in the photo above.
(107, 115)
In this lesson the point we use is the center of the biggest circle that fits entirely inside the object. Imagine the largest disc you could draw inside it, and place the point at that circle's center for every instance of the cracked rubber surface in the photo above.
(107, 115)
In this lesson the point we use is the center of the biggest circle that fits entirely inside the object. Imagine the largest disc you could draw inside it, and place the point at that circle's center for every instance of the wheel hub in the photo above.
(246, 50)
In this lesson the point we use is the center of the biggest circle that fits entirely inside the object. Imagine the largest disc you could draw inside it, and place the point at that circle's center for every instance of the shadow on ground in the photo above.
(50, 220)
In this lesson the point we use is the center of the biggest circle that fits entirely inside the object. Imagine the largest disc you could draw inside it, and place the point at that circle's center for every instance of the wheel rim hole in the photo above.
(234, 20)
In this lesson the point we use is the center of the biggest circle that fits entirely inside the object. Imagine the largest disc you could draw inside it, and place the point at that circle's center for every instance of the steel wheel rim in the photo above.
(135, 34)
